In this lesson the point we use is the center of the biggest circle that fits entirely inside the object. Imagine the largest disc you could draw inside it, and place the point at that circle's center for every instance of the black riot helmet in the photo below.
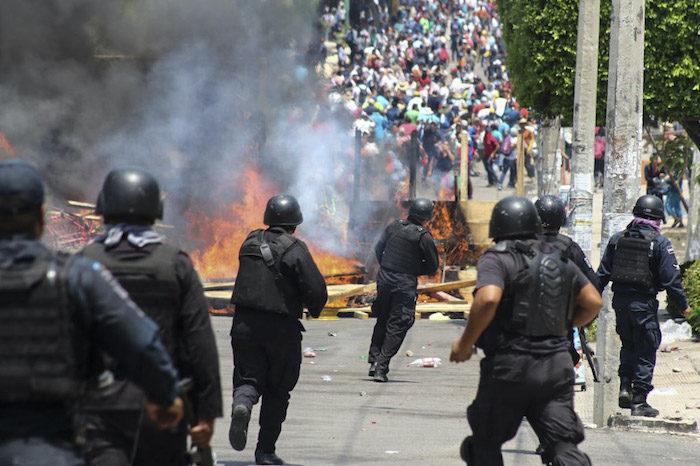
(421, 209)
(514, 217)
(551, 211)
(283, 210)
(130, 195)
(649, 206)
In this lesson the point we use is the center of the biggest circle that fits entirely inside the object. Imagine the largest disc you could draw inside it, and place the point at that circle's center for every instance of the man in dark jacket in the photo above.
(528, 297)
(405, 250)
(277, 278)
(552, 214)
(640, 262)
(162, 280)
(63, 311)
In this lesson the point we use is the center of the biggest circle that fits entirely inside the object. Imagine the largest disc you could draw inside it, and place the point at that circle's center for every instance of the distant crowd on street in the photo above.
(437, 69)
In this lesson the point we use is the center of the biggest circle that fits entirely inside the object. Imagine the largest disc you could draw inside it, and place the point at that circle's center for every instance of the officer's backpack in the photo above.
(152, 283)
(260, 284)
(631, 262)
(37, 353)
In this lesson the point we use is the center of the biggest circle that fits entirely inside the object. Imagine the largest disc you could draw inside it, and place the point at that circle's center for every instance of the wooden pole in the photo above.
(413, 165)
(520, 190)
(464, 169)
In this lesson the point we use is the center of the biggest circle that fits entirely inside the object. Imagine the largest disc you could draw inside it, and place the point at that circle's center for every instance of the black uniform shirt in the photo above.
(101, 312)
(403, 281)
(664, 266)
(196, 344)
(297, 266)
(499, 269)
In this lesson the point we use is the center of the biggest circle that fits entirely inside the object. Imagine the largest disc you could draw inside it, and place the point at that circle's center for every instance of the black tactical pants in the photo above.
(396, 314)
(38, 451)
(638, 327)
(269, 369)
(111, 440)
(540, 388)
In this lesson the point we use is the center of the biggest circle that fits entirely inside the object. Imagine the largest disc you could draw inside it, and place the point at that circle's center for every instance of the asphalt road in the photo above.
(418, 418)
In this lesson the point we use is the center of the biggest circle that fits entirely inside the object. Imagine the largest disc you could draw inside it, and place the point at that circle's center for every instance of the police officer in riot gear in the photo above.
(528, 297)
(552, 214)
(58, 313)
(161, 279)
(405, 250)
(277, 278)
(640, 262)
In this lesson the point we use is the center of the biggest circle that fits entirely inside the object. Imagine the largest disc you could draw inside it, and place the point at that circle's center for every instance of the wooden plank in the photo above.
(444, 297)
(218, 294)
(85, 205)
(340, 293)
(360, 315)
(218, 286)
(455, 302)
(433, 287)
(420, 307)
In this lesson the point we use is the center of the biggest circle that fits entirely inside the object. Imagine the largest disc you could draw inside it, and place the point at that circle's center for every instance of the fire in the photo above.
(6, 148)
(223, 235)
(451, 232)
(332, 264)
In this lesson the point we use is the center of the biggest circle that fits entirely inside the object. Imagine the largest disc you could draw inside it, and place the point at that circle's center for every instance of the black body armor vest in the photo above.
(260, 285)
(631, 263)
(37, 338)
(540, 300)
(402, 252)
(151, 281)
(561, 242)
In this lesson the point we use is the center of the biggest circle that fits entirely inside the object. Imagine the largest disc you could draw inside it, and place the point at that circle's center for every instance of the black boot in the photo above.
(372, 369)
(267, 458)
(238, 432)
(624, 400)
(465, 450)
(640, 407)
(381, 372)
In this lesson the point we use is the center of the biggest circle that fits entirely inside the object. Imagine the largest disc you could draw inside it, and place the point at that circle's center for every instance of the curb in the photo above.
(647, 424)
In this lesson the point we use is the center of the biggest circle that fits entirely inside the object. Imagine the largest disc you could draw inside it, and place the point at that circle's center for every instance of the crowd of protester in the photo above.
(436, 69)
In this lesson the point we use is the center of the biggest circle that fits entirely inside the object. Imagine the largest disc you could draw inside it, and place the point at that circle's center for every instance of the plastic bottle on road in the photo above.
(426, 362)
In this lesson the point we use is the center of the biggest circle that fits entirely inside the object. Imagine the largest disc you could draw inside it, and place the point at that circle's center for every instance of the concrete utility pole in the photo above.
(692, 252)
(585, 97)
(549, 172)
(622, 173)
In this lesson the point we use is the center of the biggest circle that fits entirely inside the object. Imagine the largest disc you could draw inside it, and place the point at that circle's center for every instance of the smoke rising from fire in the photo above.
(192, 91)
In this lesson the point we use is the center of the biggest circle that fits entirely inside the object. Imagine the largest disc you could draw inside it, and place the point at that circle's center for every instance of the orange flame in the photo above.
(224, 235)
(5, 147)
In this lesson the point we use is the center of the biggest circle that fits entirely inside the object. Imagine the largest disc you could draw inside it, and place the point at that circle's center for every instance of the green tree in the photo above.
(672, 69)
(540, 37)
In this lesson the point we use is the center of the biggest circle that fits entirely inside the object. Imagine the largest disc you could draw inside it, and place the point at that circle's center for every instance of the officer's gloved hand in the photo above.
(166, 417)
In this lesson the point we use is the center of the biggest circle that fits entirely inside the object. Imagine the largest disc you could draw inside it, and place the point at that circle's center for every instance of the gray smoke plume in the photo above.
(191, 90)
